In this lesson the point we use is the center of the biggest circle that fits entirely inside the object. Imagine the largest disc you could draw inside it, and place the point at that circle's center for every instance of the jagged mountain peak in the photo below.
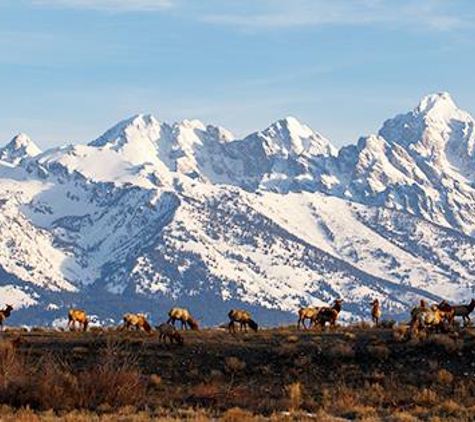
(138, 126)
(191, 124)
(22, 140)
(289, 126)
(288, 137)
(21, 146)
(435, 125)
(437, 102)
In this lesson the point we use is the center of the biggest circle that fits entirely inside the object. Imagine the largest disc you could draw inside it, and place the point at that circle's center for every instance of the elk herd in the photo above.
(423, 317)
(435, 316)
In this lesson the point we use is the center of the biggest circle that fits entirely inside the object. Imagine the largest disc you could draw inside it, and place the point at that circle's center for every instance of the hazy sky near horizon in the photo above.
(70, 69)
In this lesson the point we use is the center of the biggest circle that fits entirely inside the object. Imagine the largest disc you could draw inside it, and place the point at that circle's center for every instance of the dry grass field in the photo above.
(350, 373)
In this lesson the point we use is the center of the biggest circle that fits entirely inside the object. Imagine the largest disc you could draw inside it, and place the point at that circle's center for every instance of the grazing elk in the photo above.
(241, 317)
(168, 331)
(424, 318)
(4, 314)
(375, 312)
(310, 314)
(137, 321)
(329, 314)
(464, 311)
(183, 315)
(79, 316)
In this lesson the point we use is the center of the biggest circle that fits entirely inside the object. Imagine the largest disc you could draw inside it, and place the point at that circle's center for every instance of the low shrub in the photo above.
(341, 351)
(379, 352)
(52, 384)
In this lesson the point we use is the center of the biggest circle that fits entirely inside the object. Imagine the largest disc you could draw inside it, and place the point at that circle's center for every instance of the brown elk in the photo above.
(375, 312)
(417, 310)
(448, 310)
(330, 314)
(168, 331)
(79, 316)
(137, 321)
(183, 315)
(4, 314)
(424, 318)
(464, 311)
(243, 318)
(310, 314)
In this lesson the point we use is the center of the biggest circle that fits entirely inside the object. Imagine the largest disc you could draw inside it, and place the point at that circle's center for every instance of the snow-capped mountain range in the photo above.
(152, 214)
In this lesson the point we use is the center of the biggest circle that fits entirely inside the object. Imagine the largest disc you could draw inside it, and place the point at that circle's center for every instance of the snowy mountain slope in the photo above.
(201, 242)
(219, 244)
(366, 237)
(152, 214)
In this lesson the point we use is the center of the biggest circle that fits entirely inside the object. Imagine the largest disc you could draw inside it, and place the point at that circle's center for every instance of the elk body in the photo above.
(375, 312)
(418, 309)
(78, 316)
(426, 318)
(183, 315)
(168, 331)
(308, 313)
(329, 315)
(137, 321)
(4, 314)
(448, 310)
(464, 311)
(243, 318)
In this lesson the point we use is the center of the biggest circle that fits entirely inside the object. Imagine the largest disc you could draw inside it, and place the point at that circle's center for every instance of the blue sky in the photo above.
(69, 69)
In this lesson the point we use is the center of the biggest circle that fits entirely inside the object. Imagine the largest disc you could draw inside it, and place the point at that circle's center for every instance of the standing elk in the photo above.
(330, 315)
(4, 314)
(137, 321)
(183, 315)
(168, 331)
(418, 309)
(243, 318)
(79, 316)
(310, 314)
(464, 311)
(375, 312)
